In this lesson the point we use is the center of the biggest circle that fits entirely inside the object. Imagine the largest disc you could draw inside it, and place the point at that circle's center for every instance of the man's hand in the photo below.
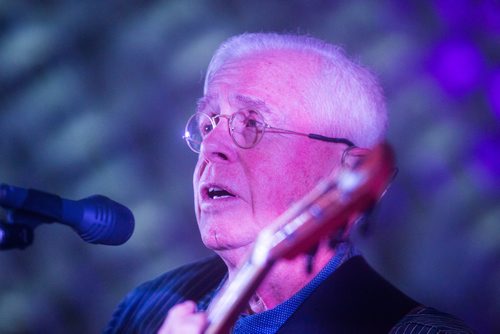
(182, 318)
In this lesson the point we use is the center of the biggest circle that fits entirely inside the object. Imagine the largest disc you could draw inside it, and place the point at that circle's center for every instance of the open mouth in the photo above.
(218, 193)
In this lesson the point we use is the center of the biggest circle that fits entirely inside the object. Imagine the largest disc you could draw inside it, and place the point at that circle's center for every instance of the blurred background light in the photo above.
(494, 92)
(458, 66)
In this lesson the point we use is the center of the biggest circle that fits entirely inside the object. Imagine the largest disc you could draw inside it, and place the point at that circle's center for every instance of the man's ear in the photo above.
(352, 155)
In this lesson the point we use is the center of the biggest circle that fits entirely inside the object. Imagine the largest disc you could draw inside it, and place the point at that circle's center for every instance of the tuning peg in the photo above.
(310, 258)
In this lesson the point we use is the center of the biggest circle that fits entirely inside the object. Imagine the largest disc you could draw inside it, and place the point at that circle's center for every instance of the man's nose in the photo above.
(218, 144)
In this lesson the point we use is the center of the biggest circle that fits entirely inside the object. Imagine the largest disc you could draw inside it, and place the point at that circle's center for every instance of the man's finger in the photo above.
(183, 318)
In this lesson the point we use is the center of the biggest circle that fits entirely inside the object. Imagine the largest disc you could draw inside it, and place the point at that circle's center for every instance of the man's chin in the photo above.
(234, 257)
(230, 250)
(221, 243)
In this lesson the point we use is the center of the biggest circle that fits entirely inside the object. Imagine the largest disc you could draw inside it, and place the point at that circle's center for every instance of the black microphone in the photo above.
(97, 219)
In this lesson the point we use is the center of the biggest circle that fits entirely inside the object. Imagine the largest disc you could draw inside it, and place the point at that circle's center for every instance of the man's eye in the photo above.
(251, 123)
(205, 128)
(252, 119)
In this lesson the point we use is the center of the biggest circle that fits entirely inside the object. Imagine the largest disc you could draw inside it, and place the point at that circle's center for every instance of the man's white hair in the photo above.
(346, 99)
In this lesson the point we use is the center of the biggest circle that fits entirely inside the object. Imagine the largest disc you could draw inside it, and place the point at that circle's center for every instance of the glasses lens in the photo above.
(197, 128)
(247, 128)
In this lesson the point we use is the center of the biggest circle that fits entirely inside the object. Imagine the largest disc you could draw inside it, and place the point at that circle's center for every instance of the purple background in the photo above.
(94, 96)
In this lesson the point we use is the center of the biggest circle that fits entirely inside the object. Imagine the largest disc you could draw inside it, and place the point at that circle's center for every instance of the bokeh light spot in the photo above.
(458, 66)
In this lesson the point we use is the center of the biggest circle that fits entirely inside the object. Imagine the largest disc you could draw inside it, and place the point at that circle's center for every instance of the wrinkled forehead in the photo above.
(278, 62)
(271, 81)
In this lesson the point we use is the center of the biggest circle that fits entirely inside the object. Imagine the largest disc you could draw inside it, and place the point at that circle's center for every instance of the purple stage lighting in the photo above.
(494, 92)
(488, 160)
(458, 66)
(453, 12)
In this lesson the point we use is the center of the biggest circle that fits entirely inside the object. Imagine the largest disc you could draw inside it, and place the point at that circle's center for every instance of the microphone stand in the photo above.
(16, 229)
(15, 236)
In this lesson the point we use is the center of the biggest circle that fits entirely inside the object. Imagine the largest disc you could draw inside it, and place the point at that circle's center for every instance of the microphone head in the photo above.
(105, 221)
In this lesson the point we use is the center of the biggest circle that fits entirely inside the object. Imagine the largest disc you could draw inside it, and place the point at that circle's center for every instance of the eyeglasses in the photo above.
(245, 127)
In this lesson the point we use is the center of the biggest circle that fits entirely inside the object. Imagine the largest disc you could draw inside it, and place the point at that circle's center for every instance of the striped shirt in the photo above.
(426, 320)
(145, 308)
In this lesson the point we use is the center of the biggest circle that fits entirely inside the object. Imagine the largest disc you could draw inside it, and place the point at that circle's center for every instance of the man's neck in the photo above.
(284, 279)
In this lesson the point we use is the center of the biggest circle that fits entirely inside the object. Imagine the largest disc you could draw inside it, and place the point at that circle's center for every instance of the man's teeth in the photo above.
(224, 196)
(215, 192)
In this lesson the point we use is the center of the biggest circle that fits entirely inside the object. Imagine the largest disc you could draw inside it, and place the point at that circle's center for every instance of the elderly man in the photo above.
(278, 114)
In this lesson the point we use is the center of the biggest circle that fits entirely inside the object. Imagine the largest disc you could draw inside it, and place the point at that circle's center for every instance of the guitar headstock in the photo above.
(328, 208)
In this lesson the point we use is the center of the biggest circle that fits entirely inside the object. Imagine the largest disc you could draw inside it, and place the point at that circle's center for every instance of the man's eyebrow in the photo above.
(249, 101)
(204, 102)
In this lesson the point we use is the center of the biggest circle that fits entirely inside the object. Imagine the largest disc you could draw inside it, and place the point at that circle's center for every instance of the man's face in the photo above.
(261, 182)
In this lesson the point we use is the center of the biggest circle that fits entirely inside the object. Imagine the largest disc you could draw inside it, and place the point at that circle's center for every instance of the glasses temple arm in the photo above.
(331, 140)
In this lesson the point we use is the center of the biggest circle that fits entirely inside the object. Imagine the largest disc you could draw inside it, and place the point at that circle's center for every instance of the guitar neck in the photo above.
(234, 296)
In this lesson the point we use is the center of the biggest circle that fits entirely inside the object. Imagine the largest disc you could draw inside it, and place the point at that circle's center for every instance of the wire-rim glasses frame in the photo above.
(246, 129)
